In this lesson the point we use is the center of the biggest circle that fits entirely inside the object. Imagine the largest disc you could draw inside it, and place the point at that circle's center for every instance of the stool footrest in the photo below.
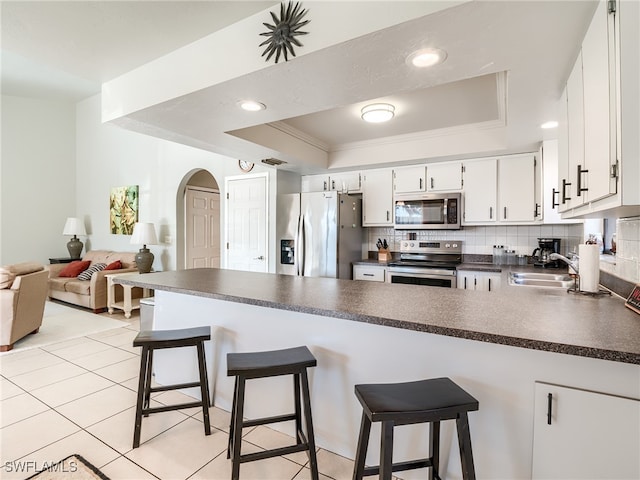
(164, 388)
(266, 420)
(168, 408)
(276, 452)
(400, 466)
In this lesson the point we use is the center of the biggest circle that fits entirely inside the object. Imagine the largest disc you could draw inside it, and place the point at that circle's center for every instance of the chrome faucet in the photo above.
(573, 264)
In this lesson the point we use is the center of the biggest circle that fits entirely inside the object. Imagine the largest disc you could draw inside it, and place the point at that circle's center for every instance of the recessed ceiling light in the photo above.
(251, 106)
(377, 112)
(549, 124)
(427, 57)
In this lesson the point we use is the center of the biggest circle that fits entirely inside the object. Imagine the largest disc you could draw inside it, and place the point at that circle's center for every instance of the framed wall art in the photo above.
(123, 209)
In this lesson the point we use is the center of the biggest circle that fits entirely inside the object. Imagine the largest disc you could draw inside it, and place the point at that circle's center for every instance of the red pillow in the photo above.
(75, 268)
(117, 265)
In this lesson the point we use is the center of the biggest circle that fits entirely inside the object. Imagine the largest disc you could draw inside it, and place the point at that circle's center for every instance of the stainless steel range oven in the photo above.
(430, 264)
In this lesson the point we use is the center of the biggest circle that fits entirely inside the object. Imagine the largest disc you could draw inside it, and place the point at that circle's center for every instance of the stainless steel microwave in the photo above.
(425, 211)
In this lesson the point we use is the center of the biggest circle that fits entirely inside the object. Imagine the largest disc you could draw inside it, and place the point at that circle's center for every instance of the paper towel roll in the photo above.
(589, 267)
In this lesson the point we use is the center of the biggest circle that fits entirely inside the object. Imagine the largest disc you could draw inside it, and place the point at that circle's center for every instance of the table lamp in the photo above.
(74, 226)
(145, 234)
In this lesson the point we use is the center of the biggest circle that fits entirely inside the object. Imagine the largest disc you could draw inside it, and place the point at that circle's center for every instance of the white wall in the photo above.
(37, 178)
(108, 156)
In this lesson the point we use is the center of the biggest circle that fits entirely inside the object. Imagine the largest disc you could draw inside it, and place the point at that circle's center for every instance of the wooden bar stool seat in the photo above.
(245, 366)
(159, 339)
(425, 401)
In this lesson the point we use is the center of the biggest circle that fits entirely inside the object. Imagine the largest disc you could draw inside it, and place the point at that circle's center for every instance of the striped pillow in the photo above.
(96, 267)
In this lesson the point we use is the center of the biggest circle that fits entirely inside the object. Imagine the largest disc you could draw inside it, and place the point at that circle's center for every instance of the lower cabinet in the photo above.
(472, 280)
(579, 434)
(371, 273)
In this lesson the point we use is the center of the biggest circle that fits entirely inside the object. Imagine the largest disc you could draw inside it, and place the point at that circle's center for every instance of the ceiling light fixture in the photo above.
(378, 112)
(549, 124)
(251, 106)
(427, 57)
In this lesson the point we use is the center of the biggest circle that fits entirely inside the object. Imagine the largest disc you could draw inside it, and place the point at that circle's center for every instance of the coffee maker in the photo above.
(546, 246)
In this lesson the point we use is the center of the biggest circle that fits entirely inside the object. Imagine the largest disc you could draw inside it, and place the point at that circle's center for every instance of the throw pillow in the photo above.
(96, 267)
(117, 265)
(74, 268)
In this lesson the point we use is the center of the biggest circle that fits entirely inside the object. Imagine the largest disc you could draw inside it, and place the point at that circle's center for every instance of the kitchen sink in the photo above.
(552, 280)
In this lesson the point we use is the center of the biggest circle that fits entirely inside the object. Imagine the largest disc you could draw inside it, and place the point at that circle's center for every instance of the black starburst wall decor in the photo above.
(281, 36)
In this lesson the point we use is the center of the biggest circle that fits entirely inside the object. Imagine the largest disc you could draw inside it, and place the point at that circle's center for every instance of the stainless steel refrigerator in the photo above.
(319, 234)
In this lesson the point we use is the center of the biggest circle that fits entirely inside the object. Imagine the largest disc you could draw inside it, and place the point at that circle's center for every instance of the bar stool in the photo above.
(424, 401)
(158, 339)
(245, 366)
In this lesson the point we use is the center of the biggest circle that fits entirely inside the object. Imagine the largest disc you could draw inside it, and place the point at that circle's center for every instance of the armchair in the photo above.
(23, 292)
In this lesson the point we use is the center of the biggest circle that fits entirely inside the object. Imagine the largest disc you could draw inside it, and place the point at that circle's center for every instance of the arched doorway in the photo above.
(200, 223)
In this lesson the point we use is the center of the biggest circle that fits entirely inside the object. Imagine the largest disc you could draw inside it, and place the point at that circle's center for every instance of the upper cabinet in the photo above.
(504, 190)
(445, 176)
(598, 154)
(348, 182)
(377, 197)
(409, 179)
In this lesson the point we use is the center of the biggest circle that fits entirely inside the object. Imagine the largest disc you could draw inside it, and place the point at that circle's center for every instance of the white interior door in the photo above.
(203, 228)
(247, 223)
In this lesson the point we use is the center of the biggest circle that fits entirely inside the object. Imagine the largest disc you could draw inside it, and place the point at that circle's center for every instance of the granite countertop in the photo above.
(528, 317)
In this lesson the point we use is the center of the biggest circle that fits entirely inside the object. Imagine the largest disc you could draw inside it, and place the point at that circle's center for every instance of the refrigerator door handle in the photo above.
(299, 256)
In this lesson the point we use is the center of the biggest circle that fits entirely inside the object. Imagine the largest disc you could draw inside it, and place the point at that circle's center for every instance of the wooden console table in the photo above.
(127, 304)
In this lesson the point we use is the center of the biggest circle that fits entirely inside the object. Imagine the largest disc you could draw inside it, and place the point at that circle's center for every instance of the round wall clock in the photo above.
(245, 166)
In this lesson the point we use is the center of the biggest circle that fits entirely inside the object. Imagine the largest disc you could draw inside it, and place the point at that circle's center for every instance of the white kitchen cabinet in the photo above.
(575, 122)
(315, 183)
(476, 280)
(517, 189)
(377, 197)
(341, 182)
(551, 201)
(370, 273)
(446, 176)
(579, 434)
(559, 189)
(409, 179)
(480, 190)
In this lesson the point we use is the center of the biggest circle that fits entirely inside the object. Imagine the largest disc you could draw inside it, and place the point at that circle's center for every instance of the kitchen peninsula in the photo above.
(495, 345)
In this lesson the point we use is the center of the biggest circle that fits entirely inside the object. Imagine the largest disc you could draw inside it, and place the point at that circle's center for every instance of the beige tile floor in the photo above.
(79, 396)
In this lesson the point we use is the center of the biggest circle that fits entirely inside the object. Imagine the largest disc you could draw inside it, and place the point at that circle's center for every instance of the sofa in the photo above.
(23, 292)
(91, 293)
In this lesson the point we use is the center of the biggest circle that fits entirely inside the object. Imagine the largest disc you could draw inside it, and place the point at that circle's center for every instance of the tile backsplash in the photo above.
(626, 262)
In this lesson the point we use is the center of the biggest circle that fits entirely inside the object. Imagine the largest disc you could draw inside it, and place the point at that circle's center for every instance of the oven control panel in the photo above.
(438, 246)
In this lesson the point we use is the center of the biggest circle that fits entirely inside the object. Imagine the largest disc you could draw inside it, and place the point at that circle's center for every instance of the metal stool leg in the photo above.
(204, 388)
(363, 443)
(147, 381)
(306, 396)
(236, 446)
(464, 440)
(298, 408)
(144, 356)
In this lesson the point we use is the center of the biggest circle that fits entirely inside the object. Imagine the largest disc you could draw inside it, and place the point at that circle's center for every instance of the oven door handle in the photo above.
(423, 273)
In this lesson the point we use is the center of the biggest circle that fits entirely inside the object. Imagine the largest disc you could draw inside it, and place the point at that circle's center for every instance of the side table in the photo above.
(62, 260)
(127, 304)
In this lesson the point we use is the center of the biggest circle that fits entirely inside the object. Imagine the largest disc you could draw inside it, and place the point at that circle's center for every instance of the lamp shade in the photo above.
(74, 226)
(144, 234)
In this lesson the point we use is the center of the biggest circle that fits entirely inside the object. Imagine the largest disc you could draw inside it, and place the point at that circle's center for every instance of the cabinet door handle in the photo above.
(420, 186)
(536, 210)
(549, 406)
(431, 182)
(324, 187)
(554, 204)
(333, 184)
(465, 283)
(368, 275)
(387, 215)
(580, 189)
(505, 213)
(489, 284)
(565, 184)
(491, 213)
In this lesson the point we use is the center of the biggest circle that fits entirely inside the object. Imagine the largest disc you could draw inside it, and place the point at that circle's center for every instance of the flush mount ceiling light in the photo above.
(251, 106)
(377, 112)
(549, 124)
(427, 57)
